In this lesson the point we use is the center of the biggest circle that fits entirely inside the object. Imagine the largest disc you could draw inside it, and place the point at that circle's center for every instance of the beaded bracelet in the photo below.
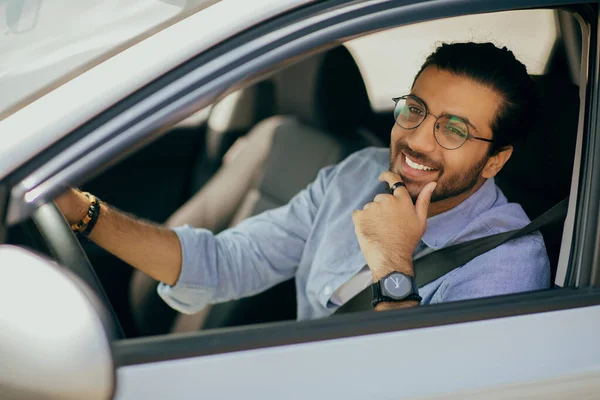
(87, 223)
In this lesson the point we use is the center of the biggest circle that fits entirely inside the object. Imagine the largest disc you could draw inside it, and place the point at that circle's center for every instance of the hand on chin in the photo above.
(389, 228)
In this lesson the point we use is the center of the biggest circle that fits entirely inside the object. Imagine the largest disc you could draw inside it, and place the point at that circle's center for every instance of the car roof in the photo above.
(44, 47)
(39, 124)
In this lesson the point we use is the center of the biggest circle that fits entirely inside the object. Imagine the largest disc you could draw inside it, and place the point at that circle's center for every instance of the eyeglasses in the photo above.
(449, 131)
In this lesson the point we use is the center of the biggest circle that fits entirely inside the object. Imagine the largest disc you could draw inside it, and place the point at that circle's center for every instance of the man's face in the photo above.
(458, 172)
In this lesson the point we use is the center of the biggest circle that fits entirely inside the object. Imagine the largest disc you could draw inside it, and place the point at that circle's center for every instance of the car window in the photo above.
(390, 59)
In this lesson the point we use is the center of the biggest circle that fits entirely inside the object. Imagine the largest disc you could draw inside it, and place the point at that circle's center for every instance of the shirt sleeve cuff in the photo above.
(195, 287)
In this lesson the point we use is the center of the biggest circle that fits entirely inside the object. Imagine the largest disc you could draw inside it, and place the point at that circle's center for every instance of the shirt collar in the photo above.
(442, 228)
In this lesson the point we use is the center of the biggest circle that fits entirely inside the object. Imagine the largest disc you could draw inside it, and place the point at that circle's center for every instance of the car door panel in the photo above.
(432, 361)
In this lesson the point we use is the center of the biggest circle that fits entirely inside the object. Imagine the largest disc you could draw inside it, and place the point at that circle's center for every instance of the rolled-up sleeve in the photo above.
(255, 255)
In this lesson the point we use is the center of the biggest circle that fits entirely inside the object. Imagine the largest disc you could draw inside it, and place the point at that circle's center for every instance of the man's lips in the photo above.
(413, 169)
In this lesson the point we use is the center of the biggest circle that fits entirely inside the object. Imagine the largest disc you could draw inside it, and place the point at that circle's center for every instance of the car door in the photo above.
(535, 343)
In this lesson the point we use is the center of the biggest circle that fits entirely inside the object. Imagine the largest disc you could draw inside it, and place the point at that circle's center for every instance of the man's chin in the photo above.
(413, 188)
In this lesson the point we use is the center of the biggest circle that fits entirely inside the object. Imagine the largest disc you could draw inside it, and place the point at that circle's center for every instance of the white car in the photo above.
(157, 106)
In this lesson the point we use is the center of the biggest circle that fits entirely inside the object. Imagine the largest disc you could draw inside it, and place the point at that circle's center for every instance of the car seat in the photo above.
(231, 118)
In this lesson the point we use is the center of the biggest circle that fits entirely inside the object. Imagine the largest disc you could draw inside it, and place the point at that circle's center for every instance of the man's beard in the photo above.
(448, 186)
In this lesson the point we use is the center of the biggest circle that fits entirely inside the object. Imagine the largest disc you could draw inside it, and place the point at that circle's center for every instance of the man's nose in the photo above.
(421, 139)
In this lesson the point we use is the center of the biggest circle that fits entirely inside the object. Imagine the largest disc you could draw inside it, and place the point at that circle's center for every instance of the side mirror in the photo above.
(54, 334)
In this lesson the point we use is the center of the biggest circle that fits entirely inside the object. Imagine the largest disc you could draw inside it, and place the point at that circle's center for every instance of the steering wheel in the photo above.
(67, 251)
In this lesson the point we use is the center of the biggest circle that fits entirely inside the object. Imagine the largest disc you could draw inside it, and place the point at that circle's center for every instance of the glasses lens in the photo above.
(409, 112)
(451, 132)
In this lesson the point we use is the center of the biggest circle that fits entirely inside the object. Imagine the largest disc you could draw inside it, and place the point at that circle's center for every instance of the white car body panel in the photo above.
(45, 53)
(41, 123)
(580, 386)
(398, 365)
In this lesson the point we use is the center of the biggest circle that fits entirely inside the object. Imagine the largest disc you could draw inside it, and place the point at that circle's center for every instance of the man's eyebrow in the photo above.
(445, 113)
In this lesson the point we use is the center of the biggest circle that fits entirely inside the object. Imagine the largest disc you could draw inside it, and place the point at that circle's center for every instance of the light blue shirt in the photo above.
(313, 239)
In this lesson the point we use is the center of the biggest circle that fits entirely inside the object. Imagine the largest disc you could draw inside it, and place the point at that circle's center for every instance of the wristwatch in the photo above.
(395, 287)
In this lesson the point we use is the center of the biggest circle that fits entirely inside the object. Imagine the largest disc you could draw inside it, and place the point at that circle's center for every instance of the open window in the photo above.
(390, 59)
(250, 141)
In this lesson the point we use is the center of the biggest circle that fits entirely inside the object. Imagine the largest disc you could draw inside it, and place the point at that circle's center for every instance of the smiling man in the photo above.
(452, 134)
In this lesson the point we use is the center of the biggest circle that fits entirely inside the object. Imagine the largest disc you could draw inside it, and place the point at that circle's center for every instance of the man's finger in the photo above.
(422, 204)
(392, 178)
(381, 197)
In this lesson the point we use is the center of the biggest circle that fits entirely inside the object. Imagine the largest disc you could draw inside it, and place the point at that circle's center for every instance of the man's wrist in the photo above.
(402, 265)
(394, 305)
(73, 204)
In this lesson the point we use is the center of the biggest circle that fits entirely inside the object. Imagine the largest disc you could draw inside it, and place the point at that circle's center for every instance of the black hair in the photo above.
(499, 70)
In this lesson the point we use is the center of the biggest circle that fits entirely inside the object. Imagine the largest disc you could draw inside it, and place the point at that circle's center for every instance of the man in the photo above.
(452, 135)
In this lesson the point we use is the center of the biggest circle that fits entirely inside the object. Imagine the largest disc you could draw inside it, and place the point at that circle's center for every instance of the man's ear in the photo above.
(495, 163)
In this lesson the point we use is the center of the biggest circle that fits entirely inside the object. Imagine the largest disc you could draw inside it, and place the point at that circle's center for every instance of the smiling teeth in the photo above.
(414, 165)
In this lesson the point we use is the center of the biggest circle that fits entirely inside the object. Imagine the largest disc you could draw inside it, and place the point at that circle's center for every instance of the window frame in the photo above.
(170, 347)
(136, 120)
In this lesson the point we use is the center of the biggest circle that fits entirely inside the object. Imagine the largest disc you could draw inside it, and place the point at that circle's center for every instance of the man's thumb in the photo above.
(422, 204)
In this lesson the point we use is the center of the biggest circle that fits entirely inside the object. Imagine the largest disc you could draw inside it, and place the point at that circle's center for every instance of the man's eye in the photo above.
(415, 110)
(453, 130)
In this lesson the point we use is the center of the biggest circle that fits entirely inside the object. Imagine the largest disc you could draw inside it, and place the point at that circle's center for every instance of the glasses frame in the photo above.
(427, 113)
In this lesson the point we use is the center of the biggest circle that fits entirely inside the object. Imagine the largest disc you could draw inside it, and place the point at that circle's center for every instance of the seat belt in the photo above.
(437, 264)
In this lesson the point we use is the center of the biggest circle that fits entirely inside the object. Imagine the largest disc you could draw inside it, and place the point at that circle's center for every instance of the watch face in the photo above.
(397, 286)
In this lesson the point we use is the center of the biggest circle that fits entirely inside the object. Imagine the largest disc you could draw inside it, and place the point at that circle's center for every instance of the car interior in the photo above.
(257, 146)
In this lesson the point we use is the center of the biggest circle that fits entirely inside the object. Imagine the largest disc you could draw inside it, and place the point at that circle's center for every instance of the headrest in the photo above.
(538, 174)
(236, 114)
(325, 91)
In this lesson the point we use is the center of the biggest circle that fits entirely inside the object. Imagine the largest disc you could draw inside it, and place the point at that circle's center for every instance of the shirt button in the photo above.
(327, 290)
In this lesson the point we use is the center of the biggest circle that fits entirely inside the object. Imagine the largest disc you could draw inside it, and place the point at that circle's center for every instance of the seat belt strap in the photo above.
(437, 264)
